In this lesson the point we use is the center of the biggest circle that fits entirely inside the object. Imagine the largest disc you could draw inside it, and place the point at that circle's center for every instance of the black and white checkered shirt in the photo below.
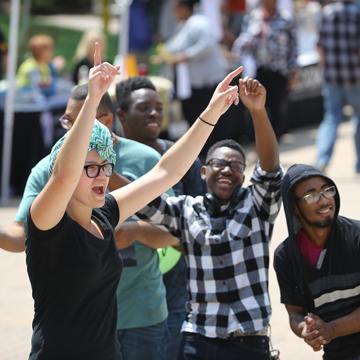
(340, 41)
(227, 255)
(271, 41)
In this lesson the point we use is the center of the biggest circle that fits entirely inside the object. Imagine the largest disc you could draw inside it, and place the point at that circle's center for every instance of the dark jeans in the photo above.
(198, 347)
(174, 323)
(144, 343)
(176, 295)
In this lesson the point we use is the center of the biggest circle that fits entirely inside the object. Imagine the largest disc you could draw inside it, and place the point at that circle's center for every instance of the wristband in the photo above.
(204, 121)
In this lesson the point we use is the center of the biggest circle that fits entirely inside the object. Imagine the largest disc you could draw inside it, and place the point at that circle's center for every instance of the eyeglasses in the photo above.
(93, 170)
(217, 164)
(313, 198)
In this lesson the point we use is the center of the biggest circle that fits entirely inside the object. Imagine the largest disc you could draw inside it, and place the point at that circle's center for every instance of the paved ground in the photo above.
(16, 306)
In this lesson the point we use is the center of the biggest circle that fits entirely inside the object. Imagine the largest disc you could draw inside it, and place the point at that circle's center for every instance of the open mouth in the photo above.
(99, 190)
(153, 124)
(224, 182)
(325, 211)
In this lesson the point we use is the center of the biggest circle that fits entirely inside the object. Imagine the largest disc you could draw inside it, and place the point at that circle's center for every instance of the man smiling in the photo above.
(226, 235)
(318, 266)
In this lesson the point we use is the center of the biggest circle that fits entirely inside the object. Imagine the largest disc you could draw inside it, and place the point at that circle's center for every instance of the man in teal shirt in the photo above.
(141, 278)
(141, 298)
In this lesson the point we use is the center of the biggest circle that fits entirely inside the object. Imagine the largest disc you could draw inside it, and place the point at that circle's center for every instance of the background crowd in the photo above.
(181, 56)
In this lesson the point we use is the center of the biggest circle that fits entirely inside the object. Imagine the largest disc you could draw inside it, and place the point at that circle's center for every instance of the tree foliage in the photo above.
(63, 6)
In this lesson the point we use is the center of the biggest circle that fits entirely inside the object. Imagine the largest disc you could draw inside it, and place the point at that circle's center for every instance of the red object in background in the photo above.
(236, 5)
(143, 70)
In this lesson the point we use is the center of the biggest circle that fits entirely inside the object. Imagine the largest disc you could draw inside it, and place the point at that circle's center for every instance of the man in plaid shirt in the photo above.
(339, 49)
(225, 235)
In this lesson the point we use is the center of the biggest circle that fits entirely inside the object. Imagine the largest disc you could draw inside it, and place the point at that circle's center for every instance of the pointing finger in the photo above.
(230, 77)
(97, 54)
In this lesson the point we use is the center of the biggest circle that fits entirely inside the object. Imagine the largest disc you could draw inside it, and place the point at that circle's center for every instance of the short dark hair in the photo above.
(79, 93)
(232, 144)
(126, 87)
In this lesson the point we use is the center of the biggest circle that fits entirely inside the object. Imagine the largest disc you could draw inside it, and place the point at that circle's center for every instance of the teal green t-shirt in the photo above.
(35, 183)
(141, 292)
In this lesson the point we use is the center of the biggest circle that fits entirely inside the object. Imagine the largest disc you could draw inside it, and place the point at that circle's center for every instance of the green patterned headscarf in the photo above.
(100, 141)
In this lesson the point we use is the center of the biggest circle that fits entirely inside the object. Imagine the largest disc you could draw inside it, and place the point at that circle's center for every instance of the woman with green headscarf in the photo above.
(71, 255)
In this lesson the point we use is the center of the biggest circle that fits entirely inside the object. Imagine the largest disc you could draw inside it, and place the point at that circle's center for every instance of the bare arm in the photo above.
(317, 332)
(303, 326)
(49, 206)
(253, 95)
(12, 237)
(178, 159)
(145, 233)
(327, 331)
(346, 325)
(296, 318)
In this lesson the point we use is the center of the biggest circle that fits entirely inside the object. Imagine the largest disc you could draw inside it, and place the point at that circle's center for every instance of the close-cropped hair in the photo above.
(79, 93)
(126, 87)
(232, 144)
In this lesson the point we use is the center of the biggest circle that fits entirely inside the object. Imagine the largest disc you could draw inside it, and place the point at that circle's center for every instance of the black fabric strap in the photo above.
(206, 122)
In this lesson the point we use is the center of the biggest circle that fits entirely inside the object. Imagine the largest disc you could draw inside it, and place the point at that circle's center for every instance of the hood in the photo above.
(296, 173)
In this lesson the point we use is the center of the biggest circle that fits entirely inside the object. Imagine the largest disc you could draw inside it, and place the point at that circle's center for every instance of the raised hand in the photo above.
(225, 95)
(101, 75)
(252, 94)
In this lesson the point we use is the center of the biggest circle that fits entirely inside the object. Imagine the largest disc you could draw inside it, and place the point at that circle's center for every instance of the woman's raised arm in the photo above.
(49, 206)
(177, 160)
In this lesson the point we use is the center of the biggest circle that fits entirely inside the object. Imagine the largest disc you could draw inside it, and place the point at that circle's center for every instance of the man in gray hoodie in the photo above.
(318, 265)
